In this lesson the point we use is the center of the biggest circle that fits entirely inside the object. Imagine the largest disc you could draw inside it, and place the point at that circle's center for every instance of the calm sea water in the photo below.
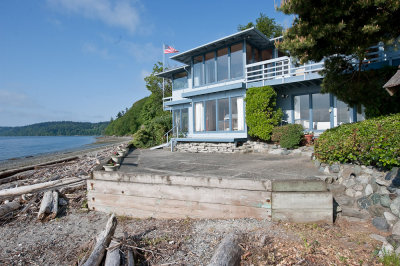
(14, 147)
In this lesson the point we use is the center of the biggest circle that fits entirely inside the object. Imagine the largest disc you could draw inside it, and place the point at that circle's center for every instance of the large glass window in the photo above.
(249, 54)
(266, 54)
(223, 114)
(321, 114)
(210, 67)
(198, 71)
(185, 120)
(177, 121)
(199, 117)
(222, 64)
(211, 115)
(302, 110)
(237, 114)
(180, 80)
(237, 60)
(257, 55)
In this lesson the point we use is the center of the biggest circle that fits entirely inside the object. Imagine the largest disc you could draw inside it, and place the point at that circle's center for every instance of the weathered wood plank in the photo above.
(167, 208)
(298, 185)
(303, 215)
(195, 181)
(302, 207)
(185, 193)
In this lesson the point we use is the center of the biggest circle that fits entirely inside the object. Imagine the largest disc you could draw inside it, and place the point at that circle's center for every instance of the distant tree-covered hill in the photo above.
(61, 128)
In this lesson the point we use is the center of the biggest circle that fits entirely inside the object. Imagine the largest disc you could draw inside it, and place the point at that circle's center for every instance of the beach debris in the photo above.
(228, 252)
(49, 205)
(9, 207)
(102, 241)
(13, 192)
(113, 257)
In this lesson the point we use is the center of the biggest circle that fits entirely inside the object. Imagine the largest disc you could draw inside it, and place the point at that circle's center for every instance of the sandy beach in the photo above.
(100, 144)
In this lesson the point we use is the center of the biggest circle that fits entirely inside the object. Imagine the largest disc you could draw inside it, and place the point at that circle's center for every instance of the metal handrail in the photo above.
(167, 134)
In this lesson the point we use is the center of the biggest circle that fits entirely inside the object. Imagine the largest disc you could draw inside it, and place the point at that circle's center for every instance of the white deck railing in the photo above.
(166, 100)
(282, 67)
(279, 68)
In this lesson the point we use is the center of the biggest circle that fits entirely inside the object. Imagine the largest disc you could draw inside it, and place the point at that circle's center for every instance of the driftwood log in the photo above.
(131, 259)
(102, 241)
(13, 192)
(49, 205)
(113, 258)
(54, 205)
(16, 177)
(23, 169)
(9, 207)
(228, 252)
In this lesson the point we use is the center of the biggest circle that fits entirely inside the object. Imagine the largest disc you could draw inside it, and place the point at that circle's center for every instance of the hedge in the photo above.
(277, 132)
(373, 142)
(261, 113)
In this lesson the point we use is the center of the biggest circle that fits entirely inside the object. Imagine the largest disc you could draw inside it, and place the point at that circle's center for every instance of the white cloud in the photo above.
(119, 13)
(93, 49)
(15, 99)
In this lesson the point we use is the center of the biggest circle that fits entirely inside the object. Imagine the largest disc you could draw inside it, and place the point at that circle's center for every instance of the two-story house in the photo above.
(208, 90)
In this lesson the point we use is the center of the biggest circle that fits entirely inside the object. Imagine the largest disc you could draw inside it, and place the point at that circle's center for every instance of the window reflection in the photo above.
(198, 71)
(210, 67)
(237, 60)
(222, 64)
(223, 114)
(211, 115)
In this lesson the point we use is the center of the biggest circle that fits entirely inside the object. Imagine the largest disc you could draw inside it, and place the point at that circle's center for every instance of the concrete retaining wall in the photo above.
(160, 196)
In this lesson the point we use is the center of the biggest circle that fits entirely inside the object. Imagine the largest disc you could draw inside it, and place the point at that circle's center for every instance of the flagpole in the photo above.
(163, 80)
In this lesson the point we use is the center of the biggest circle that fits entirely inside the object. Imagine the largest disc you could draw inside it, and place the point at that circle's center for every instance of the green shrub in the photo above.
(291, 136)
(261, 116)
(152, 132)
(277, 132)
(371, 142)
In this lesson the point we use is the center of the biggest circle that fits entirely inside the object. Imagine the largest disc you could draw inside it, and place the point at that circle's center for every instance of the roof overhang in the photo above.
(168, 73)
(252, 35)
(393, 85)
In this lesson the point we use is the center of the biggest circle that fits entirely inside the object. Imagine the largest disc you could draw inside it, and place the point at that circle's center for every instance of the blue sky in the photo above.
(85, 60)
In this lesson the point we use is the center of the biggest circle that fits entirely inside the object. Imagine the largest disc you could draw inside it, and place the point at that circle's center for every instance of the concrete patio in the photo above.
(253, 166)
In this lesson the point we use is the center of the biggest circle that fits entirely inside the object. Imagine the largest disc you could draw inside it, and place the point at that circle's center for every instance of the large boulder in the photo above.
(390, 218)
(380, 223)
(395, 207)
(394, 173)
(396, 228)
(386, 201)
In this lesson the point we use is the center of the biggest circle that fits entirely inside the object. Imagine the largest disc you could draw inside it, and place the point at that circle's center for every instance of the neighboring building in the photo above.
(208, 91)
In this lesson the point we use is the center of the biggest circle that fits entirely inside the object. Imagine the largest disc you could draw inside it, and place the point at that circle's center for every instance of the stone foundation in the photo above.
(246, 147)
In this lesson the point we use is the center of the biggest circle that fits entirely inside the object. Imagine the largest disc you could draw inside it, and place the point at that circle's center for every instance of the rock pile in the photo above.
(246, 147)
(366, 193)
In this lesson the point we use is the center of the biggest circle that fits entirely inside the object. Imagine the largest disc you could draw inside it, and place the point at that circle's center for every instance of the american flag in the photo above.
(170, 50)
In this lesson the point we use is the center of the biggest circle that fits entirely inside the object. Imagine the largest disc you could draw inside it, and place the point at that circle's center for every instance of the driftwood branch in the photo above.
(13, 192)
(23, 169)
(49, 205)
(9, 207)
(102, 241)
(113, 257)
(228, 251)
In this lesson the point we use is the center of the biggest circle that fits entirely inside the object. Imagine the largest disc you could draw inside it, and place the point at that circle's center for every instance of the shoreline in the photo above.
(100, 143)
